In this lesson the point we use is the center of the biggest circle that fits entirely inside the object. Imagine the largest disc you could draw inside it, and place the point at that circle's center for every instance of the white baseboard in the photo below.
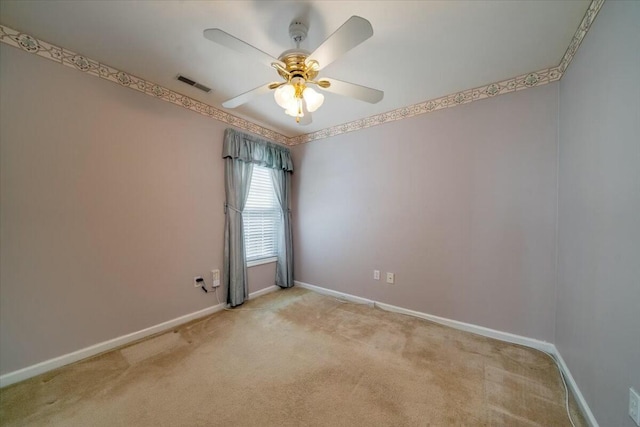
(336, 294)
(573, 386)
(264, 291)
(468, 327)
(57, 362)
(475, 329)
(479, 330)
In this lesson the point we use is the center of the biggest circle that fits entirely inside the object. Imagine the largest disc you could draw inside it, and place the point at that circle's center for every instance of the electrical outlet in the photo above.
(215, 278)
(391, 277)
(376, 274)
(634, 405)
(197, 281)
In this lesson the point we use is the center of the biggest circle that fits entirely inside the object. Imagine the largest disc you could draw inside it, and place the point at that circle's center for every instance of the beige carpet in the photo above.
(299, 359)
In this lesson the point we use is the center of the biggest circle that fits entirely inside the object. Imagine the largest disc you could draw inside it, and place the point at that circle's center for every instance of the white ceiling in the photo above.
(420, 49)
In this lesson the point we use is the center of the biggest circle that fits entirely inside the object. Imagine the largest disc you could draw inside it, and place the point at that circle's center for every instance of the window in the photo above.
(261, 217)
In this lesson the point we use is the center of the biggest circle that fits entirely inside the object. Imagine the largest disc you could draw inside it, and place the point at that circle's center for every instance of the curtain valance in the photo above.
(251, 149)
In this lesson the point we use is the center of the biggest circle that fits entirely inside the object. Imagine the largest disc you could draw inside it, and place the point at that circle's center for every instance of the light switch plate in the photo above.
(391, 277)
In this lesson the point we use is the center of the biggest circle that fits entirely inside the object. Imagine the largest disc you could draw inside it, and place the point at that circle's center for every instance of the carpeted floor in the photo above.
(298, 358)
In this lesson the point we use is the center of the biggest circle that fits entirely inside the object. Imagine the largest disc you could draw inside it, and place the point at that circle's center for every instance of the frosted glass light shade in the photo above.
(313, 99)
(285, 96)
(296, 109)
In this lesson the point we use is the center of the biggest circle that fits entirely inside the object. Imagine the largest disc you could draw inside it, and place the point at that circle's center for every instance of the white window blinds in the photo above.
(261, 217)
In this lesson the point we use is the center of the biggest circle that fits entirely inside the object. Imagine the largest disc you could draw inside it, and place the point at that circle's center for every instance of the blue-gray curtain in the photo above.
(241, 151)
(237, 180)
(284, 267)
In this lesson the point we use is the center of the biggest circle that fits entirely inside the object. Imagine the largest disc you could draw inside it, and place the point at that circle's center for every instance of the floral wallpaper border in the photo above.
(585, 24)
(79, 62)
(82, 63)
(525, 81)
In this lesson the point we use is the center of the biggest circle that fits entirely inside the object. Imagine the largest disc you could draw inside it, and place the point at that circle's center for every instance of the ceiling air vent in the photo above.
(190, 82)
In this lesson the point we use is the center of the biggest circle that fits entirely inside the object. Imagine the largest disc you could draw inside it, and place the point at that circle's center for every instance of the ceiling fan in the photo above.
(299, 68)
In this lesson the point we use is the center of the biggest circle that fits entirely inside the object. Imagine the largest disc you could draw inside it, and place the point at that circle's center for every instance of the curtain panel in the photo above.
(284, 267)
(237, 178)
(241, 151)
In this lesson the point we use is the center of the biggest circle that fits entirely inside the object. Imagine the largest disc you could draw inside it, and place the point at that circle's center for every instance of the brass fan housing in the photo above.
(296, 66)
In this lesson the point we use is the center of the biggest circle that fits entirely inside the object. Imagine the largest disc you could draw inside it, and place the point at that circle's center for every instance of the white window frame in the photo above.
(261, 202)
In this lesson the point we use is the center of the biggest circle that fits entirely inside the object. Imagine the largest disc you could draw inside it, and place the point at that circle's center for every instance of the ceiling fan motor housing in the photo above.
(295, 63)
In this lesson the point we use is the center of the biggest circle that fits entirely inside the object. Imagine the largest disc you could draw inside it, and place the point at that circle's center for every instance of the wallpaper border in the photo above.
(524, 81)
(95, 68)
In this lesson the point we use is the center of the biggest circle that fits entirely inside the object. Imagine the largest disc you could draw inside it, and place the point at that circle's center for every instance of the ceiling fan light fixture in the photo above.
(299, 67)
(285, 96)
(313, 99)
(295, 110)
(291, 96)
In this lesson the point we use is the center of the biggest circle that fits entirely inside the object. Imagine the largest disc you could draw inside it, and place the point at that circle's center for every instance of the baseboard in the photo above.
(479, 330)
(264, 291)
(475, 329)
(468, 327)
(335, 294)
(573, 386)
(66, 359)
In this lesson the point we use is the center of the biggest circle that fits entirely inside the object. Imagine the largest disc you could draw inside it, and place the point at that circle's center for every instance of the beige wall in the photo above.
(110, 203)
(460, 204)
(598, 311)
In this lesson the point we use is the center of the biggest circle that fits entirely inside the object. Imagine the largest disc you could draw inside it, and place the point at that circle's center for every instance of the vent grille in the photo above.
(193, 83)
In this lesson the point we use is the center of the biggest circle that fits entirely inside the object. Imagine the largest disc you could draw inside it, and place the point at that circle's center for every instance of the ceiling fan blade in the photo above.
(225, 39)
(246, 97)
(353, 90)
(353, 32)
